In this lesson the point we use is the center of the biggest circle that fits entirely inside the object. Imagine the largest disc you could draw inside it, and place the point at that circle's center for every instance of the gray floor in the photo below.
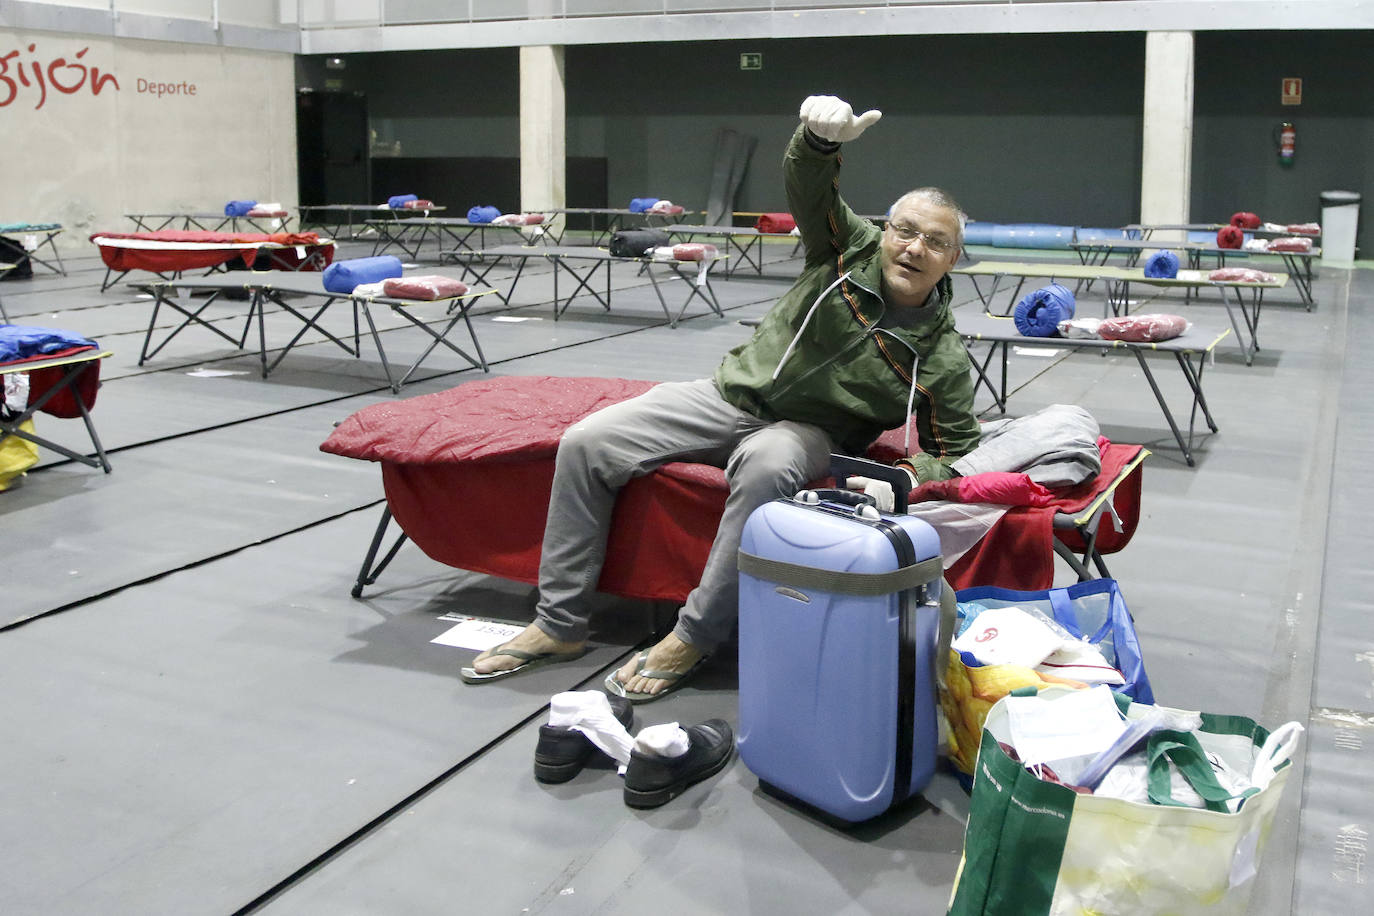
(199, 719)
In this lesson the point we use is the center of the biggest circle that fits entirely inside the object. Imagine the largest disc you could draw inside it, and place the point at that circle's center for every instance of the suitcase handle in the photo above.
(859, 501)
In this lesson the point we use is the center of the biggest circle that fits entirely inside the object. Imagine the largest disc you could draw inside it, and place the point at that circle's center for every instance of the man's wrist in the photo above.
(819, 143)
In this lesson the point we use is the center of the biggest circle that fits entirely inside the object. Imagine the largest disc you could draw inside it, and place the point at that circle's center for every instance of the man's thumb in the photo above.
(867, 119)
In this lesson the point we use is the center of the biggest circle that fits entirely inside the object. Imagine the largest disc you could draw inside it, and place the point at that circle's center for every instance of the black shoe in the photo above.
(562, 751)
(651, 781)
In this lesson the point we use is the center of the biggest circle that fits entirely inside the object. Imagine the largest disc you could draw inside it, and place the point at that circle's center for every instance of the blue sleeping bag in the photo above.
(483, 214)
(20, 341)
(1039, 314)
(640, 204)
(239, 207)
(1162, 265)
(343, 276)
(397, 201)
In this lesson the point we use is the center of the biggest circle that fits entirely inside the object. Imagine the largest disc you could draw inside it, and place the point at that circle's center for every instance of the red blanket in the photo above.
(467, 474)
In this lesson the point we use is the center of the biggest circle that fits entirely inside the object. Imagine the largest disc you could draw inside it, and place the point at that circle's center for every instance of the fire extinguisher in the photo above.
(1286, 136)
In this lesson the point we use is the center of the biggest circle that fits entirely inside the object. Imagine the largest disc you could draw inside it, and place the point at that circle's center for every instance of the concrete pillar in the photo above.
(1167, 153)
(543, 148)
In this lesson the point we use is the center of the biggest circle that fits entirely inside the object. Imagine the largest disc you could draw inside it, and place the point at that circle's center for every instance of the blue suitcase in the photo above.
(839, 620)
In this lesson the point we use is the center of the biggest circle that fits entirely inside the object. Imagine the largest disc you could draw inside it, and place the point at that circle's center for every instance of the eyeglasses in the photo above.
(908, 234)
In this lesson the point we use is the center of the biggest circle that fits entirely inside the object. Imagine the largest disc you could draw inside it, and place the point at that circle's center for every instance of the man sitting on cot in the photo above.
(862, 340)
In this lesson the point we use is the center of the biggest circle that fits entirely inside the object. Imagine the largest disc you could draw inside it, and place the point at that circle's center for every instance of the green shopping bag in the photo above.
(1038, 848)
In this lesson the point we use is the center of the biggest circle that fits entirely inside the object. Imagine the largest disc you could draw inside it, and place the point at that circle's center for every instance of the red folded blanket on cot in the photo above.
(418, 205)
(1304, 229)
(775, 222)
(263, 214)
(694, 251)
(425, 286)
(467, 474)
(1290, 244)
(1240, 275)
(1142, 328)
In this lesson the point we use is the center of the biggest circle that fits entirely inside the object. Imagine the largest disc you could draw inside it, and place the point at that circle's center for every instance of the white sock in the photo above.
(589, 711)
(666, 740)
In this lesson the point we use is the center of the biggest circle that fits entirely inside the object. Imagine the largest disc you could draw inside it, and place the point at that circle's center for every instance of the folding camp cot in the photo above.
(1118, 281)
(410, 235)
(455, 462)
(314, 215)
(582, 263)
(62, 384)
(173, 251)
(1297, 264)
(1001, 333)
(277, 288)
(34, 245)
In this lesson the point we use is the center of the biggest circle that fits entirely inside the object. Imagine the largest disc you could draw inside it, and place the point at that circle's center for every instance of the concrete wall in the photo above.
(84, 159)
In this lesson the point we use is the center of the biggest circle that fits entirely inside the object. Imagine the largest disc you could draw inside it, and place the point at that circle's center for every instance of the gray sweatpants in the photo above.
(676, 421)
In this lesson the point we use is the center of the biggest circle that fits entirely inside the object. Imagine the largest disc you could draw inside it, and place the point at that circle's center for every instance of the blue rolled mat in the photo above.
(483, 214)
(1162, 265)
(342, 276)
(1086, 234)
(397, 201)
(239, 207)
(1039, 313)
(640, 204)
(979, 233)
(1032, 235)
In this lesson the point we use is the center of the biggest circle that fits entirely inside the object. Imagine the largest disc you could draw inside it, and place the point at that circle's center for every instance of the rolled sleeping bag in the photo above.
(396, 201)
(1086, 234)
(633, 243)
(1162, 265)
(239, 207)
(483, 214)
(1230, 237)
(1245, 220)
(979, 233)
(1039, 313)
(640, 204)
(343, 276)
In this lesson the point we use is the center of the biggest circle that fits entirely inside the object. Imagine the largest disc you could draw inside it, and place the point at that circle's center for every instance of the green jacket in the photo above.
(843, 376)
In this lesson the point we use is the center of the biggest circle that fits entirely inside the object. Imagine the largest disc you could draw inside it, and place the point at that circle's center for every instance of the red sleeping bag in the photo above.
(775, 222)
(427, 286)
(1142, 328)
(1230, 237)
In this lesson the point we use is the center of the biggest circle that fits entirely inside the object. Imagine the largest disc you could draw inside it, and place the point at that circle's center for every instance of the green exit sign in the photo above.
(752, 60)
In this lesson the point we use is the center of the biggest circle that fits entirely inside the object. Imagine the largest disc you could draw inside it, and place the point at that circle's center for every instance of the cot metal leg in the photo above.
(1194, 377)
(583, 282)
(999, 397)
(1251, 347)
(368, 573)
(1186, 446)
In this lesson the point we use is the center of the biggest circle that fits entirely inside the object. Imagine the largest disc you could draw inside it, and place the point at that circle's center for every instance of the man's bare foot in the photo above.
(531, 639)
(670, 654)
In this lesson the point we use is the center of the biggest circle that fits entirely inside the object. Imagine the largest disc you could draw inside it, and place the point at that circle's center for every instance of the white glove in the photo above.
(880, 490)
(831, 118)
